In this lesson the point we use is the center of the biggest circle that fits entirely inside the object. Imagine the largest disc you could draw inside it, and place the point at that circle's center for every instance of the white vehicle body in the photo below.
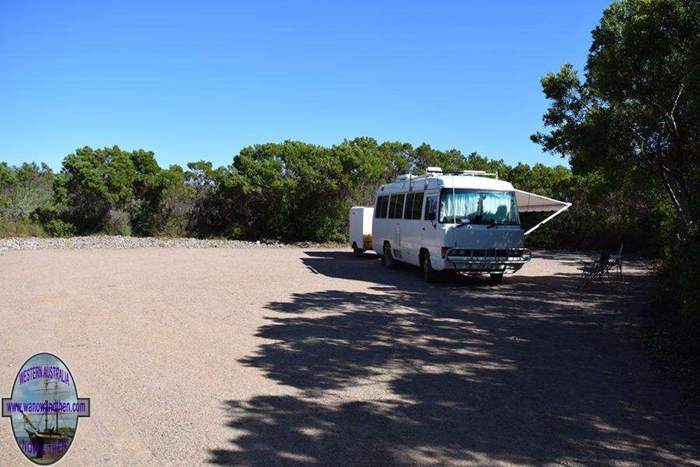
(361, 219)
(465, 222)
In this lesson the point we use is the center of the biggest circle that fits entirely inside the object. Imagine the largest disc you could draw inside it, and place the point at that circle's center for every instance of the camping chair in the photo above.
(596, 269)
(616, 261)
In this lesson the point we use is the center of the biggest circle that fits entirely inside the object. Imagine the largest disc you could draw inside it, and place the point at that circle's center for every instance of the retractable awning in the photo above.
(530, 202)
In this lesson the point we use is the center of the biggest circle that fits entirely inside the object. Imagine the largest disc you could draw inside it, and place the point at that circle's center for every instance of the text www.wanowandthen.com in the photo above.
(47, 406)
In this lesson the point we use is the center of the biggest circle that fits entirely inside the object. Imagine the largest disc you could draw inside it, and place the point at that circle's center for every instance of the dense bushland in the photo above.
(290, 191)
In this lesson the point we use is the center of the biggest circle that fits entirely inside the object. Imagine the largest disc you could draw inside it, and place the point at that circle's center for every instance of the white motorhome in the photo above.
(467, 222)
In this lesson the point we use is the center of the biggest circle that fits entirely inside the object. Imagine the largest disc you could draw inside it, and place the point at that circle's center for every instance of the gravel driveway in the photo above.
(273, 356)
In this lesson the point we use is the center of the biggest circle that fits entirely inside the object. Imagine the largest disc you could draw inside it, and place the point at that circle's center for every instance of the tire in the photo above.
(429, 274)
(387, 258)
(358, 252)
(497, 278)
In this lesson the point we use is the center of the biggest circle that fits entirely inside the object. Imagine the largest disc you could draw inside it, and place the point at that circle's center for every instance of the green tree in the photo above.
(219, 202)
(449, 161)
(148, 188)
(634, 120)
(175, 212)
(95, 184)
(24, 189)
(292, 190)
(639, 105)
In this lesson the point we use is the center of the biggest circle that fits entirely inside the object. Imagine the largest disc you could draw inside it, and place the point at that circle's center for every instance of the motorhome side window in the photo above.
(417, 206)
(408, 206)
(414, 205)
(396, 206)
(382, 205)
(431, 203)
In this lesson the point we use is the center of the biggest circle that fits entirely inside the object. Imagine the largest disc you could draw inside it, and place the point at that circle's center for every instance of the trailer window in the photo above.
(417, 206)
(396, 206)
(382, 205)
(408, 208)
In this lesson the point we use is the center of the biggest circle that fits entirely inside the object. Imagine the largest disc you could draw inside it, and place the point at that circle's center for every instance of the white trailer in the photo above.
(361, 229)
(467, 222)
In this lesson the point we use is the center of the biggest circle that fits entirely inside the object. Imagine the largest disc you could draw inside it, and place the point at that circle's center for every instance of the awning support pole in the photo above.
(537, 226)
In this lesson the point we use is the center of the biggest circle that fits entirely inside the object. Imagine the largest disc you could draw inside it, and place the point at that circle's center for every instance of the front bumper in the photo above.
(508, 260)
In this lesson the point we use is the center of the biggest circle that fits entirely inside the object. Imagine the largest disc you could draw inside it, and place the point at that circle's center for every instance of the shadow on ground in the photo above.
(530, 372)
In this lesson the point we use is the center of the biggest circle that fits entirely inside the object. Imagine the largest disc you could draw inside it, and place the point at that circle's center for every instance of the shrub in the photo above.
(21, 228)
(681, 268)
(117, 223)
(23, 189)
(59, 228)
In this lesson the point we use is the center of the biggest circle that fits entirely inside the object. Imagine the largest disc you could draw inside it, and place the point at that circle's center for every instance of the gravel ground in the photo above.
(289, 356)
(119, 242)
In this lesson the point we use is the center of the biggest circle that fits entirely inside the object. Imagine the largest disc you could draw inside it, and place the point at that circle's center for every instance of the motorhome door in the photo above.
(429, 230)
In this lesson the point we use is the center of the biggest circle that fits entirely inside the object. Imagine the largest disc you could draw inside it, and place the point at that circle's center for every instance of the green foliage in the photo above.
(634, 121)
(147, 191)
(639, 105)
(118, 222)
(59, 228)
(93, 182)
(682, 268)
(290, 191)
(218, 203)
(176, 205)
(22, 228)
(23, 190)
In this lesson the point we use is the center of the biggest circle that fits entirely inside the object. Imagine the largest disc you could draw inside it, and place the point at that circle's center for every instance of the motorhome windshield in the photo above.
(478, 207)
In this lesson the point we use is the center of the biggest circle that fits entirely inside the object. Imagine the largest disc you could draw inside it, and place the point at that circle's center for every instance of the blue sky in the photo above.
(202, 79)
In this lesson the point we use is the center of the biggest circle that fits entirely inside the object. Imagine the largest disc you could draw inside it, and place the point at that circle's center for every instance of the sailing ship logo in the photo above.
(44, 408)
